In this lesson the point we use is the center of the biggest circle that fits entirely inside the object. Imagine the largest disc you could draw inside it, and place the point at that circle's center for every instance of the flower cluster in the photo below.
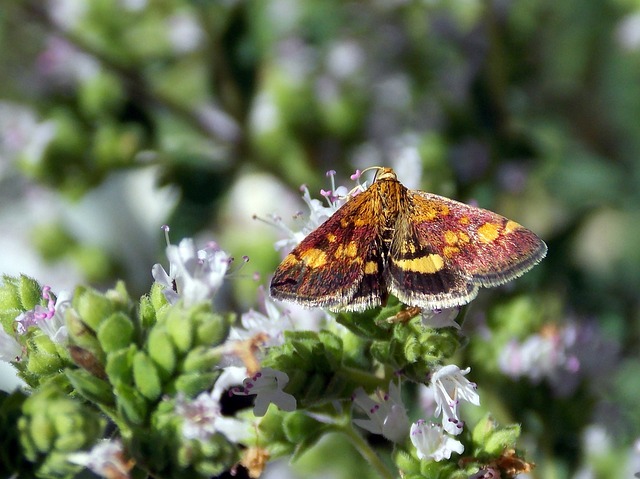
(170, 367)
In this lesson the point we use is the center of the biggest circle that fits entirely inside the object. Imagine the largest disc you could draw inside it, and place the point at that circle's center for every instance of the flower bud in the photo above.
(131, 403)
(179, 323)
(92, 388)
(145, 376)
(115, 332)
(162, 351)
(92, 307)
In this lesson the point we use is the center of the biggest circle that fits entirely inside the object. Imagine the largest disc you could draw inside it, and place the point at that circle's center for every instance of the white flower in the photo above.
(318, 213)
(194, 275)
(268, 385)
(273, 324)
(202, 416)
(440, 318)
(431, 441)
(199, 415)
(387, 417)
(450, 387)
(105, 459)
(10, 349)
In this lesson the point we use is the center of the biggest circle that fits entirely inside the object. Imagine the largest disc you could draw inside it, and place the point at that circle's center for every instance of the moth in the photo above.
(427, 250)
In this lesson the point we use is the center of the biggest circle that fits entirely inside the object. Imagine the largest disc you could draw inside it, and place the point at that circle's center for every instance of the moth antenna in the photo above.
(356, 177)
(359, 173)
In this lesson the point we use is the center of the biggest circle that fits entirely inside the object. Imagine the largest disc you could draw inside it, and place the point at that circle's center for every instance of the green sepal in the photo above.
(200, 359)
(303, 431)
(90, 387)
(81, 335)
(146, 377)
(415, 349)
(213, 328)
(156, 298)
(53, 421)
(490, 440)
(406, 462)
(131, 404)
(119, 367)
(180, 326)
(192, 384)
(313, 362)
(271, 432)
(162, 351)
(29, 291)
(17, 295)
(92, 307)
(147, 312)
(43, 358)
(115, 332)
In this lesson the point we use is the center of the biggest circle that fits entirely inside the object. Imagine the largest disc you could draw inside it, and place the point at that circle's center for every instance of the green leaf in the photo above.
(90, 387)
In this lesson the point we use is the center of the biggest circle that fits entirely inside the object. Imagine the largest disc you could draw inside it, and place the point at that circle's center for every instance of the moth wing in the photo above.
(339, 265)
(443, 250)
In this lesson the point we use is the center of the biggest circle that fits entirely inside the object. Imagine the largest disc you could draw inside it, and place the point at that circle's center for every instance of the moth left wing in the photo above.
(339, 265)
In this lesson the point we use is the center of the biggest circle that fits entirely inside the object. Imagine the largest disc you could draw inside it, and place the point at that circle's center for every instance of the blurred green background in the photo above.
(118, 116)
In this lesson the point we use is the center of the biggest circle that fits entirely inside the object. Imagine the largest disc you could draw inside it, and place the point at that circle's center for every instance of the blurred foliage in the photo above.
(530, 107)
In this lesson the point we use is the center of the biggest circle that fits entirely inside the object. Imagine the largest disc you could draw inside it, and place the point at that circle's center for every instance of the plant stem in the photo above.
(366, 451)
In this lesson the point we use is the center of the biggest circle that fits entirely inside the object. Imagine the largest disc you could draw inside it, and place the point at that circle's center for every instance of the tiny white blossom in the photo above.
(387, 417)
(318, 212)
(432, 443)
(106, 459)
(450, 387)
(194, 275)
(199, 415)
(557, 355)
(440, 318)
(202, 416)
(268, 385)
(273, 324)
(10, 349)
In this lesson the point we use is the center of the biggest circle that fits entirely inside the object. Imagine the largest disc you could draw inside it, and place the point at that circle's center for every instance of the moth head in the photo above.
(382, 173)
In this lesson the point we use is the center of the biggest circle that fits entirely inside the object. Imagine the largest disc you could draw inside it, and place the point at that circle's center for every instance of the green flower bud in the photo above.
(491, 440)
(131, 404)
(52, 421)
(147, 312)
(29, 291)
(213, 328)
(43, 358)
(200, 359)
(191, 384)
(92, 306)
(157, 298)
(82, 336)
(90, 387)
(115, 332)
(146, 377)
(162, 351)
(17, 294)
(207, 458)
(180, 327)
(119, 368)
